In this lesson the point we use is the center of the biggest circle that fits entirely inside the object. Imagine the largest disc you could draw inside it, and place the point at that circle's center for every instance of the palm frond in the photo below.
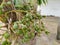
(41, 2)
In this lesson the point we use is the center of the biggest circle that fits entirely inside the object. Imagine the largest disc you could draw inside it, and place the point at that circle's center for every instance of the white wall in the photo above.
(52, 8)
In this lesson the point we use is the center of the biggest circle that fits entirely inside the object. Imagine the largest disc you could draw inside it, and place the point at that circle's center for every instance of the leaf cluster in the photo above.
(28, 24)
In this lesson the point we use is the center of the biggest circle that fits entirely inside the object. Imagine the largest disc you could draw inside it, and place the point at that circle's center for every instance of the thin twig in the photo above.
(3, 30)
(1, 34)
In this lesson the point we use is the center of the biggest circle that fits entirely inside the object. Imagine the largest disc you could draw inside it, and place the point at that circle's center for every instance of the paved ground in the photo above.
(51, 24)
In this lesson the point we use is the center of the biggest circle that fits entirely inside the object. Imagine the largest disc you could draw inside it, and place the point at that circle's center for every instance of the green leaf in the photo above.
(0, 12)
(47, 32)
(39, 16)
(6, 43)
(18, 32)
(28, 24)
(15, 26)
(32, 35)
(1, 7)
(26, 38)
(42, 2)
(37, 29)
(6, 35)
(9, 2)
(44, 16)
(39, 2)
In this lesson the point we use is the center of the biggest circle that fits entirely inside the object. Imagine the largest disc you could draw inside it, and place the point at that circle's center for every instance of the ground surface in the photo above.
(51, 24)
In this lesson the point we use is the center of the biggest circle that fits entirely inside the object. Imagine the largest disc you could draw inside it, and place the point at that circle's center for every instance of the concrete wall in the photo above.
(52, 8)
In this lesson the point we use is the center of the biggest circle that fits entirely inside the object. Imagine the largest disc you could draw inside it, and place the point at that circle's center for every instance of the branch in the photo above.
(3, 30)
(1, 34)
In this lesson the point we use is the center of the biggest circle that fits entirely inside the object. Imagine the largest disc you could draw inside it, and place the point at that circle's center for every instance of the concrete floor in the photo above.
(51, 24)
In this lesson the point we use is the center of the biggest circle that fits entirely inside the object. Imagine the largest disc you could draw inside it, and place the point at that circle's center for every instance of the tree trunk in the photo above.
(58, 32)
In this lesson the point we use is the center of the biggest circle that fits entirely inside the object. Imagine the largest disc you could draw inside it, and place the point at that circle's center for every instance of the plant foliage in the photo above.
(22, 21)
